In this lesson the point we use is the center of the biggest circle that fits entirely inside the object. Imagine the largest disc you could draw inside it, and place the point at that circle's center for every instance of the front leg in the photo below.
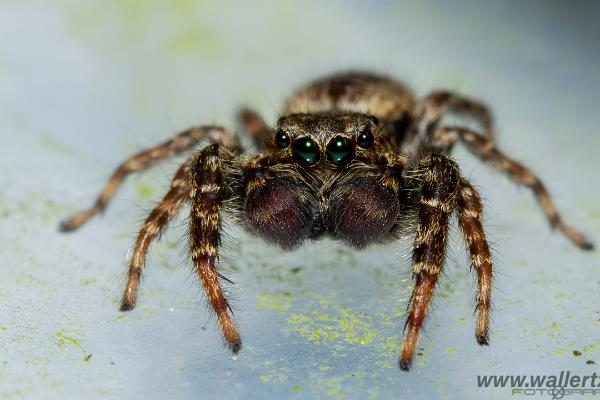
(255, 126)
(440, 184)
(207, 192)
(469, 218)
(139, 162)
(154, 224)
(485, 149)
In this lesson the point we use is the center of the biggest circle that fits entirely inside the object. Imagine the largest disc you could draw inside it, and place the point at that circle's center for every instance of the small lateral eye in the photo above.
(365, 138)
(282, 140)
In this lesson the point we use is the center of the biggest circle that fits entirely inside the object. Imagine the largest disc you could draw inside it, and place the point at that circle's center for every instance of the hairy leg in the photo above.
(152, 227)
(206, 180)
(140, 161)
(392, 166)
(469, 219)
(485, 149)
(255, 126)
(440, 183)
(439, 103)
(435, 106)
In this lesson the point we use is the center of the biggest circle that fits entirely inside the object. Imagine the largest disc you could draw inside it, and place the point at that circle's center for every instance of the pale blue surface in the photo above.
(83, 86)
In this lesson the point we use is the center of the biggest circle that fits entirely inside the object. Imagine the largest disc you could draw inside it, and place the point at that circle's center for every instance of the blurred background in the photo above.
(85, 84)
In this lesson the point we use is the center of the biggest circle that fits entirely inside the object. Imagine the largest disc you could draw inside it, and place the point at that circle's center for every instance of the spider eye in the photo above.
(340, 150)
(282, 140)
(306, 151)
(365, 138)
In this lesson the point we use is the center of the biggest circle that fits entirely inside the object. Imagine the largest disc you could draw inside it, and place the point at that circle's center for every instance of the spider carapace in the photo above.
(354, 156)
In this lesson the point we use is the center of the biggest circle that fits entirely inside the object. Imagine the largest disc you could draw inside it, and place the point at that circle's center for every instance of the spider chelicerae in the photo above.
(354, 157)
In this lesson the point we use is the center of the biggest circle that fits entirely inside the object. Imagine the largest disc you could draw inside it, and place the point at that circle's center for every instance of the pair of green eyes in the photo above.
(340, 150)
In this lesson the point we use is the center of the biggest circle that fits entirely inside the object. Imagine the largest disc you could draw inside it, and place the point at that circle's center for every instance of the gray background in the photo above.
(85, 84)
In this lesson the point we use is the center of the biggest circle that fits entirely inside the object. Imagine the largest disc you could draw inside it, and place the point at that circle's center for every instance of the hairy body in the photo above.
(356, 157)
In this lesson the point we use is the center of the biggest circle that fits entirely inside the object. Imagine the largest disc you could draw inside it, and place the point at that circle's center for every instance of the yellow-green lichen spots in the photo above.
(144, 191)
(325, 322)
(176, 27)
(62, 340)
(275, 301)
(332, 324)
(198, 41)
(50, 143)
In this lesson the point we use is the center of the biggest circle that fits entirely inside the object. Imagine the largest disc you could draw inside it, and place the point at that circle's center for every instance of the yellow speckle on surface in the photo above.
(64, 340)
(185, 28)
(178, 363)
(343, 323)
(198, 41)
(450, 350)
(274, 301)
(325, 322)
(55, 145)
(334, 387)
(593, 213)
(275, 376)
(590, 347)
(144, 191)
(296, 388)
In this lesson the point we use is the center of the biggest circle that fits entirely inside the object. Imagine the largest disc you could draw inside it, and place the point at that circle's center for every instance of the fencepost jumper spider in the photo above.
(354, 157)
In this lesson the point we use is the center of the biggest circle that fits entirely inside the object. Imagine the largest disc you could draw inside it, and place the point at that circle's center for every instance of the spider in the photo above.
(354, 157)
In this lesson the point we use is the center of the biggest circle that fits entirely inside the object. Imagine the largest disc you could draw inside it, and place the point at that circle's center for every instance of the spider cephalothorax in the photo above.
(354, 157)
(334, 173)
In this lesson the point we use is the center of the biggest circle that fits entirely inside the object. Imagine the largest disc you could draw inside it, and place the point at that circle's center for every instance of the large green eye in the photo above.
(340, 150)
(307, 151)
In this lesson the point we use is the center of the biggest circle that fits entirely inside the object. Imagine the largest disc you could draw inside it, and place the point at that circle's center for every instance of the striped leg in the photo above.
(255, 126)
(438, 198)
(154, 224)
(469, 219)
(140, 161)
(206, 181)
(432, 110)
(439, 103)
(486, 150)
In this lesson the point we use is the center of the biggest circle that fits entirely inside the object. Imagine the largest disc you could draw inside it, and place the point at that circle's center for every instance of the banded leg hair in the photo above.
(146, 158)
(206, 193)
(201, 181)
(435, 106)
(152, 227)
(469, 219)
(443, 190)
(439, 103)
(484, 148)
(255, 126)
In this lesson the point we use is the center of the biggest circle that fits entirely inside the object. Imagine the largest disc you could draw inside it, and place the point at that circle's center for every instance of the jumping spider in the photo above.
(354, 157)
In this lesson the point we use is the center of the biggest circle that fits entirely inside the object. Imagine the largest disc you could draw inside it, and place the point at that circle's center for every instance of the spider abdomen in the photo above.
(360, 92)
